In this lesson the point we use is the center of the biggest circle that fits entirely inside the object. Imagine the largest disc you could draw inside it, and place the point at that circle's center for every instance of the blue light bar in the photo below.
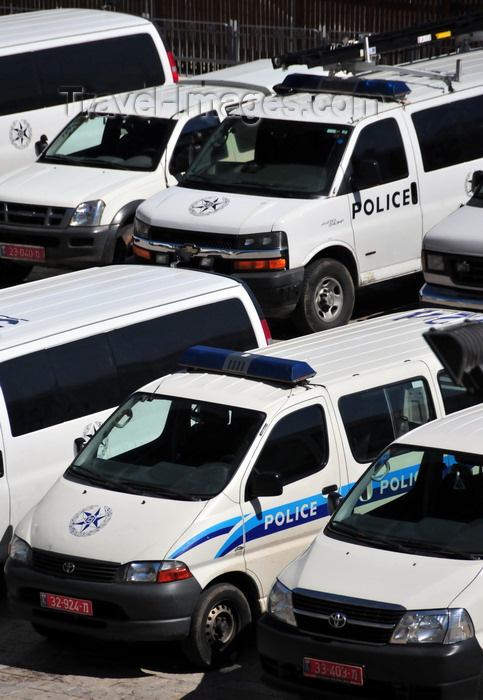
(368, 87)
(246, 364)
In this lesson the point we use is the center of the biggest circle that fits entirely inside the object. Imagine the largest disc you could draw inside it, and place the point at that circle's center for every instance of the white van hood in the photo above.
(223, 212)
(85, 521)
(460, 233)
(68, 185)
(413, 581)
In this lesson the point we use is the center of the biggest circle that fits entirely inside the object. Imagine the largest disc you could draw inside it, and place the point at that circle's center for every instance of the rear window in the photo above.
(92, 374)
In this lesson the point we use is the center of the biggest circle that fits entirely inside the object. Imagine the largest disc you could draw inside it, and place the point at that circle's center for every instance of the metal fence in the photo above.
(209, 34)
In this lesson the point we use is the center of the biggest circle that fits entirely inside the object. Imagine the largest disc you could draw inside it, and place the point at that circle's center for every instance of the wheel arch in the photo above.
(125, 215)
(343, 255)
(245, 584)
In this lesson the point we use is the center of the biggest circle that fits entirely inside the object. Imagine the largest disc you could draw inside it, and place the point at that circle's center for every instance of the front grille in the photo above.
(162, 234)
(466, 271)
(84, 569)
(33, 215)
(367, 621)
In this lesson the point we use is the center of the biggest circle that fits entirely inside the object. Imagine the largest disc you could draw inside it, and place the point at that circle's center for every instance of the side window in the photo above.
(59, 384)
(21, 90)
(296, 446)
(379, 156)
(375, 417)
(193, 136)
(155, 346)
(455, 397)
(451, 133)
(93, 68)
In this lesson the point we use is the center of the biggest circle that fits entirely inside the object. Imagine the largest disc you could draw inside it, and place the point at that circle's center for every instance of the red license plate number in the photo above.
(66, 604)
(316, 668)
(25, 253)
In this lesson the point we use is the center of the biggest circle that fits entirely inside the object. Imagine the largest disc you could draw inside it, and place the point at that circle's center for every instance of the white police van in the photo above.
(386, 601)
(329, 186)
(453, 257)
(55, 61)
(173, 521)
(74, 346)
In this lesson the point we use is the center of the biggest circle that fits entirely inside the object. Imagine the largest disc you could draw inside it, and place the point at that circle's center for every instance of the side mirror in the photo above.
(265, 484)
(78, 445)
(41, 145)
(334, 499)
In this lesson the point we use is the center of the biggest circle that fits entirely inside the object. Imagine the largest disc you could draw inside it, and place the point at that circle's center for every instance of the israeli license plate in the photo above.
(24, 253)
(344, 673)
(66, 604)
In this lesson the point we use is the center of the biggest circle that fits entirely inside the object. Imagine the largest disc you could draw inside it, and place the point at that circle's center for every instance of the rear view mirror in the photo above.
(460, 351)
(41, 145)
(265, 484)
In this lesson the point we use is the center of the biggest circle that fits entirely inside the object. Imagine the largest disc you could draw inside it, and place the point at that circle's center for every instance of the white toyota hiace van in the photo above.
(53, 62)
(327, 187)
(175, 518)
(74, 346)
(386, 601)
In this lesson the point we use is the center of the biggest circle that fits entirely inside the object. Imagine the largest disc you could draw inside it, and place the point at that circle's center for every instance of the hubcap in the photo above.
(220, 625)
(329, 298)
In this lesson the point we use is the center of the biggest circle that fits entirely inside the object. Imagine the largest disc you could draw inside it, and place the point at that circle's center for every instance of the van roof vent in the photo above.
(246, 364)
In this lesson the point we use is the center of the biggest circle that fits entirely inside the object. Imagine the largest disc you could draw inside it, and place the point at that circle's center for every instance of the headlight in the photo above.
(434, 627)
(141, 229)
(19, 550)
(88, 213)
(273, 240)
(280, 603)
(434, 262)
(155, 571)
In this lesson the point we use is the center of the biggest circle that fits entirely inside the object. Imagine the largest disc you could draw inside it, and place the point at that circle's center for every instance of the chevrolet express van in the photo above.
(386, 601)
(74, 346)
(175, 518)
(55, 61)
(327, 187)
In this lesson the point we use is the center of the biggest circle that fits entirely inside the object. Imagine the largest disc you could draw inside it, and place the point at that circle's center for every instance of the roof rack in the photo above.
(362, 55)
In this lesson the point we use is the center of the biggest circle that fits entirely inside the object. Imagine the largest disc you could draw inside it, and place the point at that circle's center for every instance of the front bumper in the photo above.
(74, 246)
(432, 295)
(121, 611)
(432, 672)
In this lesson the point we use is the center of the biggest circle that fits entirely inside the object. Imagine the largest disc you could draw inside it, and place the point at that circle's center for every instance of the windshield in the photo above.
(167, 447)
(111, 141)
(417, 499)
(275, 157)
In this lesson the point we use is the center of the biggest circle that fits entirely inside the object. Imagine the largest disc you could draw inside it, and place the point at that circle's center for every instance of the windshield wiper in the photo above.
(157, 490)
(98, 479)
(438, 550)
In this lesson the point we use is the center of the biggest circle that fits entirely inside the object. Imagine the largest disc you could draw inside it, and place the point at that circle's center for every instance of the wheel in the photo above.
(13, 272)
(220, 619)
(327, 298)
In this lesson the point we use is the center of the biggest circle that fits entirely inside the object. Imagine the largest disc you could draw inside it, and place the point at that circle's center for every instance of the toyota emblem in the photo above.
(68, 567)
(337, 620)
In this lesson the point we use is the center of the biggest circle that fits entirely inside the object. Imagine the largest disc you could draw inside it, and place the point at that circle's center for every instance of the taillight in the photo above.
(266, 331)
(172, 65)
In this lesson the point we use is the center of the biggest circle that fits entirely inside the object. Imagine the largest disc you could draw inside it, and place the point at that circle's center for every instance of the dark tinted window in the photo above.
(455, 397)
(100, 67)
(296, 446)
(72, 380)
(46, 78)
(20, 86)
(375, 417)
(380, 143)
(450, 134)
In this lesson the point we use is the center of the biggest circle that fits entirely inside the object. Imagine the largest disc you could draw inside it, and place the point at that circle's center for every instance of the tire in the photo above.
(123, 245)
(327, 297)
(220, 620)
(13, 272)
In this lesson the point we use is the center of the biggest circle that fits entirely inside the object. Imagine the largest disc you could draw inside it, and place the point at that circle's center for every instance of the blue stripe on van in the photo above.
(209, 534)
